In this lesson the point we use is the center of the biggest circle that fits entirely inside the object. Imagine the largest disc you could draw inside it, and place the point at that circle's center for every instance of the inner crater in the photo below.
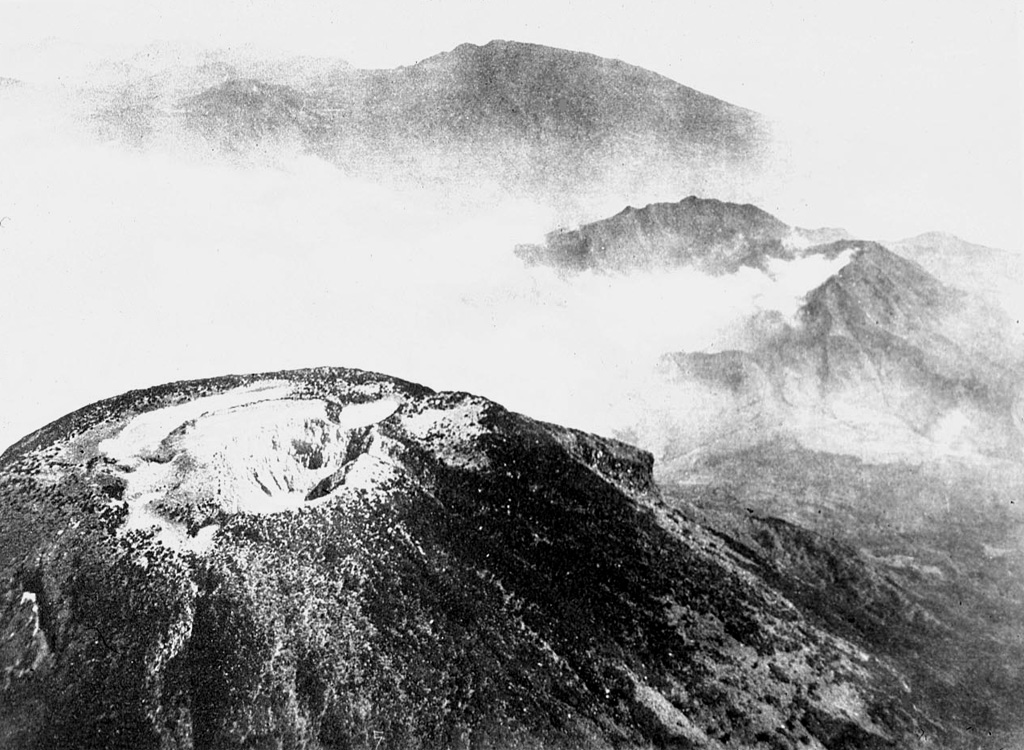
(255, 451)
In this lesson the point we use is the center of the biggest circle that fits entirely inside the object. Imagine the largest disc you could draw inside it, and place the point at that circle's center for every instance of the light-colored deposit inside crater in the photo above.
(256, 449)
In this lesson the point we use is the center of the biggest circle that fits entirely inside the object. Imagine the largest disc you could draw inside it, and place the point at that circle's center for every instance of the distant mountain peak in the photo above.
(710, 235)
(881, 348)
(878, 288)
(569, 129)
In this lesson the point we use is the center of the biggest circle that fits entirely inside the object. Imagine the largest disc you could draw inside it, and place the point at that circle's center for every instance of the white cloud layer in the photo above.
(127, 267)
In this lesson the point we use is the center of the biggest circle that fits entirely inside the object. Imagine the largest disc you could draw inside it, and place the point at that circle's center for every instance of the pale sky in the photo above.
(917, 102)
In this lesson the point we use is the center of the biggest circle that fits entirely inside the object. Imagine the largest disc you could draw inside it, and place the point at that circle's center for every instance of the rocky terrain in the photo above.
(333, 558)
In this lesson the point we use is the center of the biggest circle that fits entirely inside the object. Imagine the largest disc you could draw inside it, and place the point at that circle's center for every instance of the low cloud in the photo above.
(127, 266)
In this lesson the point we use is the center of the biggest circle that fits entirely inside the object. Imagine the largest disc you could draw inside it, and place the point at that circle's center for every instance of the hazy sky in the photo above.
(915, 102)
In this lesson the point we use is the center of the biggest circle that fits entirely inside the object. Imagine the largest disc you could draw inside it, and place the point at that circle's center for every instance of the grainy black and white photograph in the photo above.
(470, 375)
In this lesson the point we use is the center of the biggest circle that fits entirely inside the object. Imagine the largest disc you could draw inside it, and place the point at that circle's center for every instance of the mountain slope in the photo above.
(711, 235)
(567, 128)
(883, 359)
(331, 558)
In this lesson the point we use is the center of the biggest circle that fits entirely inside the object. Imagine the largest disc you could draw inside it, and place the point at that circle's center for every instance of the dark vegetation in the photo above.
(542, 596)
(921, 563)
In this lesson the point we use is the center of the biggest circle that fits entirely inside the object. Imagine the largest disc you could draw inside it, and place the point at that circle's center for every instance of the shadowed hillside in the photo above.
(331, 558)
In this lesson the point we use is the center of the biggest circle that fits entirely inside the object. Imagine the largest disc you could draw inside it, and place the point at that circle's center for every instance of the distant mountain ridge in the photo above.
(244, 110)
(564, 127)
(881, 348)
(882, 360)
(707, 234)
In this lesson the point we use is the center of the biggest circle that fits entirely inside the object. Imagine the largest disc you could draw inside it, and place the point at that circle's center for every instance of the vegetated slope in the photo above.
(332, 558)
(565, 115)
(554, 125)
(922, 562)
(709, 235)
(882, 361)
(937, 589)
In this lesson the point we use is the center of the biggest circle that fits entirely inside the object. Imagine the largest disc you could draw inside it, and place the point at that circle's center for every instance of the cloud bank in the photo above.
(126, 266)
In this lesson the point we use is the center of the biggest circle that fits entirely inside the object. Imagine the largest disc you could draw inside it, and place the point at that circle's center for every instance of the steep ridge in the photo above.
(333, 558)
(706, 234)
(882, 354)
